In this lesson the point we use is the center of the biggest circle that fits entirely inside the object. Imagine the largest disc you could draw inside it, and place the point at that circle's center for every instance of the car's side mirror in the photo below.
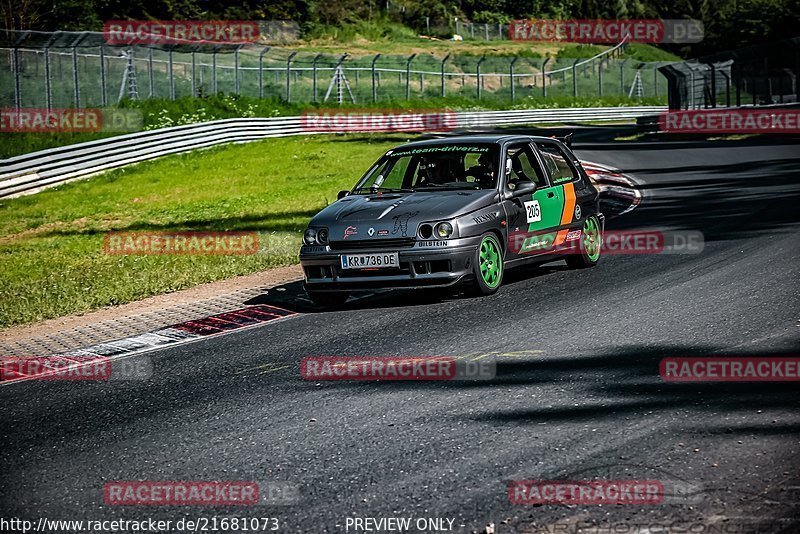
(523, 188)
(342, 194)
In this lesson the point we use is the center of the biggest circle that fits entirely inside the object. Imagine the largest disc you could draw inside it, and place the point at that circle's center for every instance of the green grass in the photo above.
(51, 250)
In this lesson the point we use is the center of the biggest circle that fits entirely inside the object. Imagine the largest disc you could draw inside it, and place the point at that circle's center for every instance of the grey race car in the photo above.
(438, 212)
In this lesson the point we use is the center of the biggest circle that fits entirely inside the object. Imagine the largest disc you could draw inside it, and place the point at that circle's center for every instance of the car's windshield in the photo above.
(431, 168)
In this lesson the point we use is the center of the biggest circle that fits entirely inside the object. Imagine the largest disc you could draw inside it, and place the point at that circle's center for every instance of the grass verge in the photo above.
(52, 246)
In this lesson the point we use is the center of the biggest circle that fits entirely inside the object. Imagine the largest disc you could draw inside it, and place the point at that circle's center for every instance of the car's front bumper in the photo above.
(439, 266)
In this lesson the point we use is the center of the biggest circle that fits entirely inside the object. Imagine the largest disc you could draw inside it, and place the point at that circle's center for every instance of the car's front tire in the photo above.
(328, 299)
(588, 253)
(487, 265)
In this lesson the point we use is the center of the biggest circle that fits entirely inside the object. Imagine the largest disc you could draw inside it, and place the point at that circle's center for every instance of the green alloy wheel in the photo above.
(591, 243)
(488, 265)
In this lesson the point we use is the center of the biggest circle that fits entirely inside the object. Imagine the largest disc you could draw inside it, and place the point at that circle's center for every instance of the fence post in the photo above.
(575, 78)
(236, 69)
(17, 90)
(75, 81)
(600, 78)
(171, 77)
(48, 90)
(103, 96)
(261, 72)
(443, 62)
(374, 87)
(544, 76)
(486, 30)
(214, 70)
(289, 76)
(17, 96)
(151, 83)
(314, 77)
(655, 81)
(194, 70)
(511, 77)
(622, 77)
(713, 85)
(478, 72)
(728, 89)
(408, 75)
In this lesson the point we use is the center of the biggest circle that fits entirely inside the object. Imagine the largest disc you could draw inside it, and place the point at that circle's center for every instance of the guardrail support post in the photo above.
(443, 67)
(289, 76)
(511, 78)
(408, 75)
(261, 72)
(575, 77)
(374, 86)
(544, 76)
(478, 73)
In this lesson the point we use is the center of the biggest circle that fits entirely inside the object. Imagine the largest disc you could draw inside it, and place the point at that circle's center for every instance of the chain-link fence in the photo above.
(758, 75)
(66, 69)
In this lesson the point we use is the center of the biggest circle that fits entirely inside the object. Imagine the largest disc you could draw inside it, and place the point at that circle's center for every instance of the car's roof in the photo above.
(477, 138)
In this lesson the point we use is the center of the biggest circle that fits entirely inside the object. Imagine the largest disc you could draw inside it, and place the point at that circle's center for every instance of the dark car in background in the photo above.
(461, 209)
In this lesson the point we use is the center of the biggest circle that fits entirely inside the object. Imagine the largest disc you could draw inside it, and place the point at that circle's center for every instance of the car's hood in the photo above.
(393, 215)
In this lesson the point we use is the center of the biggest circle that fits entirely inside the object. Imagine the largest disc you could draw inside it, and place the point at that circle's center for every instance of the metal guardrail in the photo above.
(33, 172)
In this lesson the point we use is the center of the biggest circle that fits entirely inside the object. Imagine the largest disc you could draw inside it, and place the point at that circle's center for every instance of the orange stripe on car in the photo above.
(567, 214)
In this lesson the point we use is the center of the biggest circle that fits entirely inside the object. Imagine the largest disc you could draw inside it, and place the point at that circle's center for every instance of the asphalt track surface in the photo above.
(577, 393)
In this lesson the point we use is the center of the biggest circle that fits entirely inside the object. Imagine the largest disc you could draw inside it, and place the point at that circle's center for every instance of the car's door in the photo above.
(578, 199)
(528, 215)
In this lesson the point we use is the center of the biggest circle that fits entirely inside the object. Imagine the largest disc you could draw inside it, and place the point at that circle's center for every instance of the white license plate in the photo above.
(370, 261)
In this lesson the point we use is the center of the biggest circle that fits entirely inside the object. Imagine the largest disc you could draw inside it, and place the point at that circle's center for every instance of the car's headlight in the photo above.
(443, 230)
(310, 237)
(322, 236)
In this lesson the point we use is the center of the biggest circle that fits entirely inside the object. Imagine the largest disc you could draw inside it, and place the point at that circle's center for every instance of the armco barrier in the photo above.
(30, 173)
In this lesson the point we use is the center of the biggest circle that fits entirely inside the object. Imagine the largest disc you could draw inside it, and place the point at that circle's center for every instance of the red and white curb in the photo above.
(177, 334)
